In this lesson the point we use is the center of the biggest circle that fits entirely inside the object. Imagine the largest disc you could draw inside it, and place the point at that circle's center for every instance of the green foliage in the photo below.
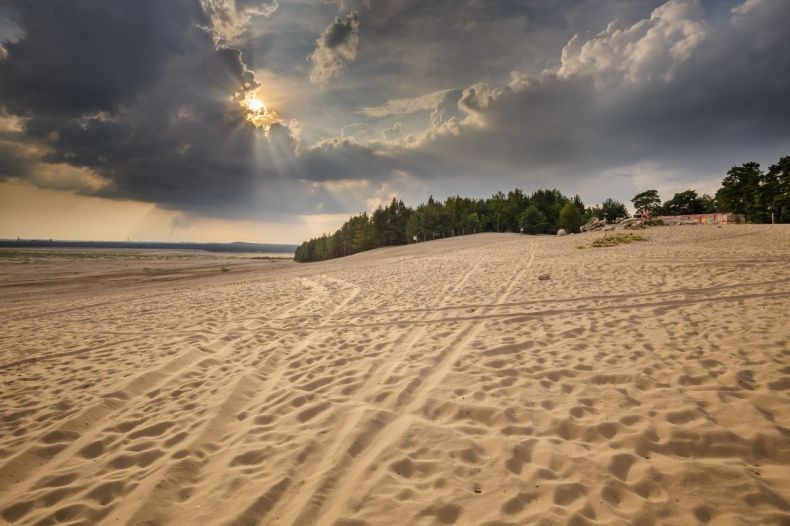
(549, 202)
(570, 218)
(398, 224)
(740, 191)
(746, 190)
(532, 220)
(389, 224)
(647, 201)
(684, 203)
(775, 191)
(472, 223)
(578, 203)
(498, 206)
(756, 194)
(709, 205)
(590, 213)
(612, 210)
(543, 212)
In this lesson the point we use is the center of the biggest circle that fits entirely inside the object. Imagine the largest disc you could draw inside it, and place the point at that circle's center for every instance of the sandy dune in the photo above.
(441, 383)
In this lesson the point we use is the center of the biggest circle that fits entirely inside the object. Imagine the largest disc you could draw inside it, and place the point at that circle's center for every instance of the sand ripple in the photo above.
(441, 383)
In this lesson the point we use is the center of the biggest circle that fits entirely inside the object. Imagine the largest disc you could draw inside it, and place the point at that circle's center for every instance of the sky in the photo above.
(274, 120)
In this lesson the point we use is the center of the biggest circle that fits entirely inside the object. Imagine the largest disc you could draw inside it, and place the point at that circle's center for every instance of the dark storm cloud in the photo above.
(88, 56)
(672, 90)
(134, 100)
(15, 163)
(105, 89)
(411, 51)
(336, 47)
(678, 87)
(139, 94)
(426, 46)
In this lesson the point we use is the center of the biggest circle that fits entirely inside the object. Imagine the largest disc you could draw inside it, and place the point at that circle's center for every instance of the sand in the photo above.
(439, 383)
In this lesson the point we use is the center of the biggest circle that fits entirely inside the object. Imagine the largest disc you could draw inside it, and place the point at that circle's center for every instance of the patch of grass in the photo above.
(617, 239)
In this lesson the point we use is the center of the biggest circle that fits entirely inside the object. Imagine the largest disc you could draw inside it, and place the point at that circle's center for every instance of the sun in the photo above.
(256, 112)
(255, 105)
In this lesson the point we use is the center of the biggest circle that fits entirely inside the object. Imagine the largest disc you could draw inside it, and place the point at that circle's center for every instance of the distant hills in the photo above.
(236, 246)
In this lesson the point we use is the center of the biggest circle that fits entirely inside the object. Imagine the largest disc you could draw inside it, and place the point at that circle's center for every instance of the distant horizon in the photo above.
(86, 240)
(231, 247)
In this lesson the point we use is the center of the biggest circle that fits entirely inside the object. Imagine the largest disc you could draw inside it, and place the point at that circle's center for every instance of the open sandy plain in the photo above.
(439, 383)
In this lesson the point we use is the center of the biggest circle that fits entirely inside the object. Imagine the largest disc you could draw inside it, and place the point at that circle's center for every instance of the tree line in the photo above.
(745, 190)
(542, 212)
(761, 196)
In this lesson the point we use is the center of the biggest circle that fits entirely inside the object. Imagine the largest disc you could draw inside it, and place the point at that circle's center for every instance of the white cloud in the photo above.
(647, 51)
(427, 102)
(230, 18)
(356, 131)
(393, 133)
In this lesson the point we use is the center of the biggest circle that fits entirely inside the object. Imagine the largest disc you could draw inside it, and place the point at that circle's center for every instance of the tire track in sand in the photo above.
(364, 416)
(100, 418)
(385, 429)
(166, 481)
(251, 388)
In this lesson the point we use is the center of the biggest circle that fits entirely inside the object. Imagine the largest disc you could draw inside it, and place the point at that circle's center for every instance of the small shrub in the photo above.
(618, 239)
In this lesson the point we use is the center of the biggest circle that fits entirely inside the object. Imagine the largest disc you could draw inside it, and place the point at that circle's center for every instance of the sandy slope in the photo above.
(433, 384)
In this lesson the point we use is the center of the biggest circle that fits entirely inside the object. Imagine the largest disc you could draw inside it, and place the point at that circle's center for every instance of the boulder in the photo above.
(594, 224)
(561, 232)
(631, 223)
